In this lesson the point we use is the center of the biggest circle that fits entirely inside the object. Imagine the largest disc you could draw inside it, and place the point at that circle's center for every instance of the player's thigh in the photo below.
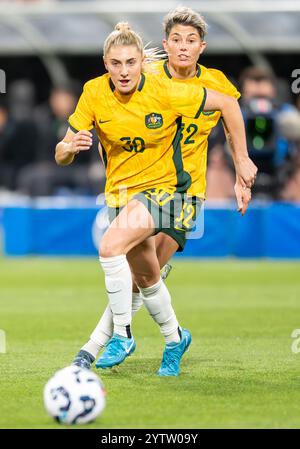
(166, 246)
(144, 264)
(133, 225)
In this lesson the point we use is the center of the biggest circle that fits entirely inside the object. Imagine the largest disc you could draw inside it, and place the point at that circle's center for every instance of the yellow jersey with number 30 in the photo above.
(139, 133)
(195, 132)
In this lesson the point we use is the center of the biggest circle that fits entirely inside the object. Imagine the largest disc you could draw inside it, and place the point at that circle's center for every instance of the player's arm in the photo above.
(241, 164)
(71, 145)
(235, 130)
(243, 195)
(83, 121)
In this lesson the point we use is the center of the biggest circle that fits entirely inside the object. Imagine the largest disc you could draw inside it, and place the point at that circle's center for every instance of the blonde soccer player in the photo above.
(138, 121)
(184, 42)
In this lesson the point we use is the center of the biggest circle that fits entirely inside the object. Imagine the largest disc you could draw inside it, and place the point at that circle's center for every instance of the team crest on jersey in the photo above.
(153, 120)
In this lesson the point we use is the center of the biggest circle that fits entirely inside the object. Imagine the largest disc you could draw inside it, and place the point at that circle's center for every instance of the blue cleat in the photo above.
(116, 351)
(83, 359)
(172, 355)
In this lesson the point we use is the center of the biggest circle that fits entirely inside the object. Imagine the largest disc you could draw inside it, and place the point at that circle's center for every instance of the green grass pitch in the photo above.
(240, 371)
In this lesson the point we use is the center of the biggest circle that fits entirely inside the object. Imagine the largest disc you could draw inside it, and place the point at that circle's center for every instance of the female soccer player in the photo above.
(185, 30)
(138, 121)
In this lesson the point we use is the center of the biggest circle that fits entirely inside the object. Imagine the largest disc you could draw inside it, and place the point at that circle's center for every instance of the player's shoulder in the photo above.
(154, 80)
(93, 85)
(212, 74)
(216, 79)
(156, 87)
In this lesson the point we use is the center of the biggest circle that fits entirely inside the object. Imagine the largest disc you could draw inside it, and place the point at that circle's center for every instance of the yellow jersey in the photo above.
(195, 132)
(139, 133)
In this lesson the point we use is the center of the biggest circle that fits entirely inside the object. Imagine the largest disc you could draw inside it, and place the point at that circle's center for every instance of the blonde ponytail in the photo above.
(123, 35)
(123, 27)
(152, 57)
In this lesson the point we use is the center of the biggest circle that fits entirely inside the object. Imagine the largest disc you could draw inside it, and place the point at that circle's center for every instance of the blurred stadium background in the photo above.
(48, 49)
(240, 371)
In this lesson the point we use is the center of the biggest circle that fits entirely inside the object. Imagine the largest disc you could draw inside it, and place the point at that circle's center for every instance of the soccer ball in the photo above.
(74, 395)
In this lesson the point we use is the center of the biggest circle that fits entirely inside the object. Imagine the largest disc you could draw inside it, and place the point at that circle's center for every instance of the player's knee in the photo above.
(110, 248)
(148, 280)
(106, 250)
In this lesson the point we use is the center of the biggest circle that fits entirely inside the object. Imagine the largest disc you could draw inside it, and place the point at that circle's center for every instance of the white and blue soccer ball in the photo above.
(74, 395)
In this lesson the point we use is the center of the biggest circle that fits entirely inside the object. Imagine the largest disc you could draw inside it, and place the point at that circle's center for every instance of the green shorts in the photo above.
(174, 214)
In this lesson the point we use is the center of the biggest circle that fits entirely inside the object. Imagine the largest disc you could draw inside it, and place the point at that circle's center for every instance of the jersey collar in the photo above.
(167, 71)
(139, 88)
(111, 85)
(142, 82)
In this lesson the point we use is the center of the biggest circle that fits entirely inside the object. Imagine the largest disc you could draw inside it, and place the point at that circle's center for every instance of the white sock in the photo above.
(157, 301)
(118, 284)
(137, 302)
(92, 348)
(104, 329)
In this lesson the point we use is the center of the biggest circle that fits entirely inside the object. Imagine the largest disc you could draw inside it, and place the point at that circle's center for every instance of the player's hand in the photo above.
(81, 141)
(246, 171)
(243, 196)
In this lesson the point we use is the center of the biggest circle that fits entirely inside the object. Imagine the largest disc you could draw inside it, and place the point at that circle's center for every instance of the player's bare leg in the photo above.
(166, 247)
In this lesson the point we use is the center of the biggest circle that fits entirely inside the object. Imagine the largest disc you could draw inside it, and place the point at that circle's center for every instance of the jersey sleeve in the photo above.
(186, 99)
(218, 81)
(227, 87)
(83, 117)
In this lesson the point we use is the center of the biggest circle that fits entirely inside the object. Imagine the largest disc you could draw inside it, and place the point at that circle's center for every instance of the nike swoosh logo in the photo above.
(111, 293)
(128, 350)
(104, 121)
